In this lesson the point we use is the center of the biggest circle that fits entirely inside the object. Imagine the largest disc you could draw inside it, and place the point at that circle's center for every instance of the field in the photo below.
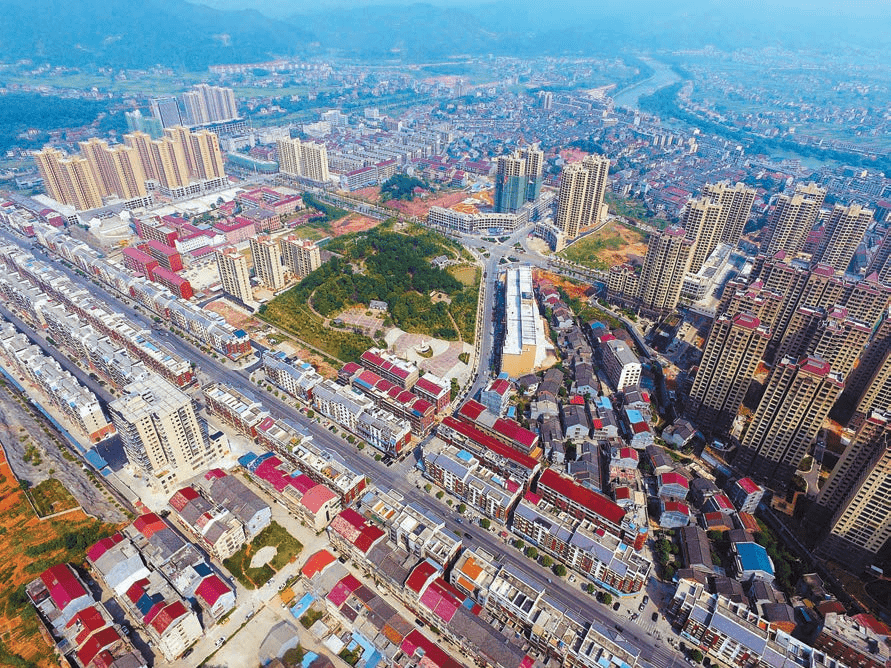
(468, 275)
(51, 497)
(275, 535)
(316, 230)
(612, 245)
(29, 546)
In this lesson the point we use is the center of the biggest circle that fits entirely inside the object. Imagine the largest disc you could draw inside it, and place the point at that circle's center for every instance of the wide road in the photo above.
(396, 477)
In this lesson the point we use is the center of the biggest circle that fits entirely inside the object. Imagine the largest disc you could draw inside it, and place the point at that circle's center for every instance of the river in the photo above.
(663, 76)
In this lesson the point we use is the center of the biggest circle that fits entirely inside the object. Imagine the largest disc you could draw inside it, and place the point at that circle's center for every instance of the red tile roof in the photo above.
(317, 497)
(471, 410)
(420, 575)
(468, 430)
(673, 478)
(748, 485)
(63, 587)
(100, 548)
(181, 499)
(434, 657)
(586, 498)
(137, 589)
(499, 386)
(211, 588)
(876, 626)
(90, 619)
(512, 431)
(676, 507)
(99, 641)
(149, 524)
(167, 616)
(317, 563)
(342, 590)
(430, 387)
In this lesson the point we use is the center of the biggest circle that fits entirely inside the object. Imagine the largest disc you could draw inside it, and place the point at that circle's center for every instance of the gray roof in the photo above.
(695, 547)
(234, 495)
(195, 509)
(484, 638)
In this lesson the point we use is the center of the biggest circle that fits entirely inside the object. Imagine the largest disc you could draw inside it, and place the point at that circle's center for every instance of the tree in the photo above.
(461, 508)
(546, 561)
(485, 523)
(606, 598)
(696, 655)
(589, 588)
(531, 552)
(440, 494)
(560, 570)
(519, 544)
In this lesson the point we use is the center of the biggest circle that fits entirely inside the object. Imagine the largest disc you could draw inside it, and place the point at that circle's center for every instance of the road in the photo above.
(396, 476)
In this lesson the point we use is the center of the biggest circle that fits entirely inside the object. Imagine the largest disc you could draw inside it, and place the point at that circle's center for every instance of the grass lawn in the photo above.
(468, 275)
(51, 497)
(310, 617)
(239, 564)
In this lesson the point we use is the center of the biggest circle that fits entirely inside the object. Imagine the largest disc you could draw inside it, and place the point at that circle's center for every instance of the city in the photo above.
(345, 358)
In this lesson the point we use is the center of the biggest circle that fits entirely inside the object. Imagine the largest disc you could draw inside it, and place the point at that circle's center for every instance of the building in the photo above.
(788, 419)
(496, 395)
(166, 111)
(160, 431)
(622, 365)
(793, 218)
(526, 347)
(300, 256)
(858, 640)
(234, 274)
(736, 205)
(68, 180)
(217, 530)
(861, 527)
(580, 201)
(745, 495)
(434, 390)
(518, 179)
(308, 160)
(668, 258)
(229, 492)
(209, 104)
(735, 347)
(702, 220)
(752, 562)
(842, 235)
(266, 254)
(294, 376)
(391, 368)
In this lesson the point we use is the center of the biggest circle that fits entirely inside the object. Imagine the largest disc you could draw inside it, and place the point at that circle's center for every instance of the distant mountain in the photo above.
(139, 33)
(187, 35)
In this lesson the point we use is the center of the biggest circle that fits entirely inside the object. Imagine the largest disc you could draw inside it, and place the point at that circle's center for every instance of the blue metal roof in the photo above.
(753, 557)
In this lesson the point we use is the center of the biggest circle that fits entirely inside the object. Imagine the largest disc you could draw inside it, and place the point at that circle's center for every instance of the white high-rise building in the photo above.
(160, 432)
(268, 262)
(300, 256)
(234, 274)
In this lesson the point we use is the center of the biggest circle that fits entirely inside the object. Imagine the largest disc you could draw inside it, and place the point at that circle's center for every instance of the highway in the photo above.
(653, 651)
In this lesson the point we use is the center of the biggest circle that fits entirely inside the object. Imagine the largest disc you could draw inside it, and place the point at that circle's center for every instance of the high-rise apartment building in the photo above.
(518, 179)
(268, 262)
(582, 189)
(732, 353)
(667, 260)
(69, 180)
(300, 256)
(128, 169)
(160, 431)
(234, 274)
(166, 110)
(96, 153)
(702, 221)
(736, 204)
(209, 104)
(862, 525)
(141, 142)
(788, 419)
(844, 231)
(207, 158)
(867, 442)
(308, 160)
(793, 218)
(169, 163)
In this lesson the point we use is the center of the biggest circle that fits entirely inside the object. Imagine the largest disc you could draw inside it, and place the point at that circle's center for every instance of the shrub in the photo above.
(485, 523)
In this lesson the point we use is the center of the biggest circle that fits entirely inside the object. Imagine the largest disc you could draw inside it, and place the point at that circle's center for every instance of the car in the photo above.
(187, 653)
(549, 581)
(655, 616)
(419, 623)
(467, 535)
(572, 578)
(641, 607)
(459, 520)
(220, 641)
(616, 606)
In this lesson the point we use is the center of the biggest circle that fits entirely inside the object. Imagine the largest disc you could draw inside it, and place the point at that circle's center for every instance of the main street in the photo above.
(396, 476)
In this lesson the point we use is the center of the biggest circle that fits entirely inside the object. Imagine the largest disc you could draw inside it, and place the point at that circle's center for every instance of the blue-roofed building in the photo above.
(752, 562)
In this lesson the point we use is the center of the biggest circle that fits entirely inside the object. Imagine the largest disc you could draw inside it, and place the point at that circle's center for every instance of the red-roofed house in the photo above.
(421, 576)
(417, 645)
(167, 256)
(581, 502)
(317, 563)
(341, 591)
(62, 591)
(674, 514)
(215, 596)
(404, 374)
(100, 641)
(496, 396)
(149, 524)
(350, 531)
(101, 547)
(719, 503)
(673, 485)
(745, 494)
(434, 390)
(716, 522)
(175, 628)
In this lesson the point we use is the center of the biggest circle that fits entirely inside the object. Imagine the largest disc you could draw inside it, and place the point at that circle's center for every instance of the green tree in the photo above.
(546, 561)
(560, 570)
(461, 508)
(606, 598)
(696, 655)
(531, 552)
(485, 523)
